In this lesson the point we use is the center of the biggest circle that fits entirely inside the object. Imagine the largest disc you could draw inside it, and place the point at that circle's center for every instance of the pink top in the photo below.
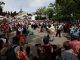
(75, 45)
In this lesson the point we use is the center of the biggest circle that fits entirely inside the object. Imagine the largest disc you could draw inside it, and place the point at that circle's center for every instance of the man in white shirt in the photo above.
(20, 29)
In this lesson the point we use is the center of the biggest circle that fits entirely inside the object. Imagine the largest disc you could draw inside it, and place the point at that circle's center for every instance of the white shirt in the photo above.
(52, 28)
(20, 29)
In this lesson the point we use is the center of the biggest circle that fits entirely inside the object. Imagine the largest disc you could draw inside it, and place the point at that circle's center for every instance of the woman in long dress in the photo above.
(52, 32)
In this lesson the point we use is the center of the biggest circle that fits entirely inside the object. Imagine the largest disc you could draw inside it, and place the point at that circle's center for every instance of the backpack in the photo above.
(11, 55)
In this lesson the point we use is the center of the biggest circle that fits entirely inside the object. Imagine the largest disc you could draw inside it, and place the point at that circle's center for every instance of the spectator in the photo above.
(1, 46)
(68, 53)
(75, 45)
(79, 55)
(53, 52)
(11, 53)
(28, 50)
(47, 51)
(21, 54)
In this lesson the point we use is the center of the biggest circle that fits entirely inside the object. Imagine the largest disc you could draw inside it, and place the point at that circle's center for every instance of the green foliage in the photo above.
(49, 13)
(64, 10)
(70, 9)
(45, 11)
(41, 11)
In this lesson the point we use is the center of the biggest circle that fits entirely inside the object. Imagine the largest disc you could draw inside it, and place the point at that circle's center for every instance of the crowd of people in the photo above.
(19, 49)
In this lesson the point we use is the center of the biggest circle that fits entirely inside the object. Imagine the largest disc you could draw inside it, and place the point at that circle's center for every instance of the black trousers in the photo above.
(58, 33)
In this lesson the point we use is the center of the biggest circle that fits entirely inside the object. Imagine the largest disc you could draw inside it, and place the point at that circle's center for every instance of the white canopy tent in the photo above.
(33, 17)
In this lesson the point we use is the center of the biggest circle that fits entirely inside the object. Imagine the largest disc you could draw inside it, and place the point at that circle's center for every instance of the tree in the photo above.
(49, 12)
(41, 11)
(66, 10)
(1, 3)
(14, 13)
(70, 9)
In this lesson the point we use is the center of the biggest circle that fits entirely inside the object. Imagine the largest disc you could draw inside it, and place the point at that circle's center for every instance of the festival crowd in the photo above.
(18, 48)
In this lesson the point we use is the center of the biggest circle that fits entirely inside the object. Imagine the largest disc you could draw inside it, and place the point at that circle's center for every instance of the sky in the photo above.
(25, 5)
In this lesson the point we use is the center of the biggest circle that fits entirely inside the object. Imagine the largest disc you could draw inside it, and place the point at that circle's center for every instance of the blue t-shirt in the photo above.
(76, 33)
